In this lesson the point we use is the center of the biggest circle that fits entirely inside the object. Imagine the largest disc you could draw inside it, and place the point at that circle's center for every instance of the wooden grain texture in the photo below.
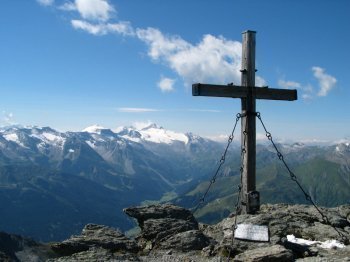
(231, 91)
(248, 123)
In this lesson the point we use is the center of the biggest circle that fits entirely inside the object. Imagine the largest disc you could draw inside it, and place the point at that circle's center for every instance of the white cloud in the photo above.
(136, 110)
(259, 81)
(326, 82)
(45, 2)
(159, 45)
(306, 90)
(166, 84)
(306, 96)
(123, 28)
(213, 59)
(68, 6)
(99, 10)
(288, 84)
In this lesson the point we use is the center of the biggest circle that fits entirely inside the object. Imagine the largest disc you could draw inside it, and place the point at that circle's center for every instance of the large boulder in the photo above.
(168, 227)
(186, 241)
(159, 212)
(275, 253)
(97, 254)
(96, 236)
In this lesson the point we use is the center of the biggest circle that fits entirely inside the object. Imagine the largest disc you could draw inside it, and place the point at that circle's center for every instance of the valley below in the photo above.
(52, 184)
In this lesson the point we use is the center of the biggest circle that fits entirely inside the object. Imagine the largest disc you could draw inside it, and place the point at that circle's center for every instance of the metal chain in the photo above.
(221, 162)
(238, 205)
(295, 179)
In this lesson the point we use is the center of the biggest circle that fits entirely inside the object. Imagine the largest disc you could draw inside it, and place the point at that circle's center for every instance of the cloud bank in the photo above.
(214, 59)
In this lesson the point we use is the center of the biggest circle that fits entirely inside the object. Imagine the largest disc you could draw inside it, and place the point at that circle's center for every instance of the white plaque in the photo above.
(252, 232)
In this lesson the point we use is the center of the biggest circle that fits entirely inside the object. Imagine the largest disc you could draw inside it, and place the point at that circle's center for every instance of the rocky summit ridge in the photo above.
(171, 233)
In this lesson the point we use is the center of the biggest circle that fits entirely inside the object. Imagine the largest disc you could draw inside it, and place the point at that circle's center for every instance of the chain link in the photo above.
(238, 206)
(221, 162)
(295, 179)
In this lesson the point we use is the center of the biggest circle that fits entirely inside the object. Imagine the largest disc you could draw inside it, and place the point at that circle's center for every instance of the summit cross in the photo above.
(248, 93)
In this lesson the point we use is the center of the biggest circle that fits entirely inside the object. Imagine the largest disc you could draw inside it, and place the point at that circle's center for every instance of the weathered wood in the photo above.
(232, 91)
(219, 91)
(276, 94)
(248, 93)
(248, 123)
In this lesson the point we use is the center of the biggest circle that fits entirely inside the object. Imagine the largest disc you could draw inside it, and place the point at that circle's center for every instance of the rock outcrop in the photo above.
(171, 233)
(301, 221)
(168, 227)
(93, 236)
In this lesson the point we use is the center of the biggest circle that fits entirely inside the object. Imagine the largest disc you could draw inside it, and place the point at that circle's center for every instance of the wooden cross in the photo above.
(248, 93)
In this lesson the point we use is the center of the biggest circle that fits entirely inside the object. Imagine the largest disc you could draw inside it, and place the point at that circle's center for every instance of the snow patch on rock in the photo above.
(328, 244)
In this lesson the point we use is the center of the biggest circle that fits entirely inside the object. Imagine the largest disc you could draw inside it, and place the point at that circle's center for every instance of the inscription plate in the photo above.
(252, 232)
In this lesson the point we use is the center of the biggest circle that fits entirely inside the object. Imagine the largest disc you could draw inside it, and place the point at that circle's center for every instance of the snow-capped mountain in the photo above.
(150, 151)
(152, 133)
(81, 176)
(343, 148)
(120, 168)
(41, 138)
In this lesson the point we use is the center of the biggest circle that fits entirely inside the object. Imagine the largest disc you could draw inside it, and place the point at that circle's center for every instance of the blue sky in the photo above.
(69, 64)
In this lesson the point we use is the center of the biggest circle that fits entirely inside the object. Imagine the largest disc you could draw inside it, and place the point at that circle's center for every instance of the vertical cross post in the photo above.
(248, 93)
(250, 197)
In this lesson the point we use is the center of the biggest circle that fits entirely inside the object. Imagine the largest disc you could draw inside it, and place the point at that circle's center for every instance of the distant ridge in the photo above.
(53, 183)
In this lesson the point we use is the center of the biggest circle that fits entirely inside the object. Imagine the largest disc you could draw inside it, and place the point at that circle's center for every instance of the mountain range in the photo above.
(53, 183)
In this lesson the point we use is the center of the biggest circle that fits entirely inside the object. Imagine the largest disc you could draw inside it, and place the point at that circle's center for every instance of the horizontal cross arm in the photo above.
(242, 92)
(276, 94)
(219, 90)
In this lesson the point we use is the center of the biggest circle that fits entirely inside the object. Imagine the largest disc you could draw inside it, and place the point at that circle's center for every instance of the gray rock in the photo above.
(97, 254)
(300, 220)
(96, 235)
(171, 233)
(327, 255)
(186, 241)
(158, 229)
(159, 211)
(161, 222)
(275, 253)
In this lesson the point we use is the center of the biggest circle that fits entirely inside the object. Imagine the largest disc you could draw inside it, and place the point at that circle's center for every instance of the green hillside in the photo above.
(326, 182)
